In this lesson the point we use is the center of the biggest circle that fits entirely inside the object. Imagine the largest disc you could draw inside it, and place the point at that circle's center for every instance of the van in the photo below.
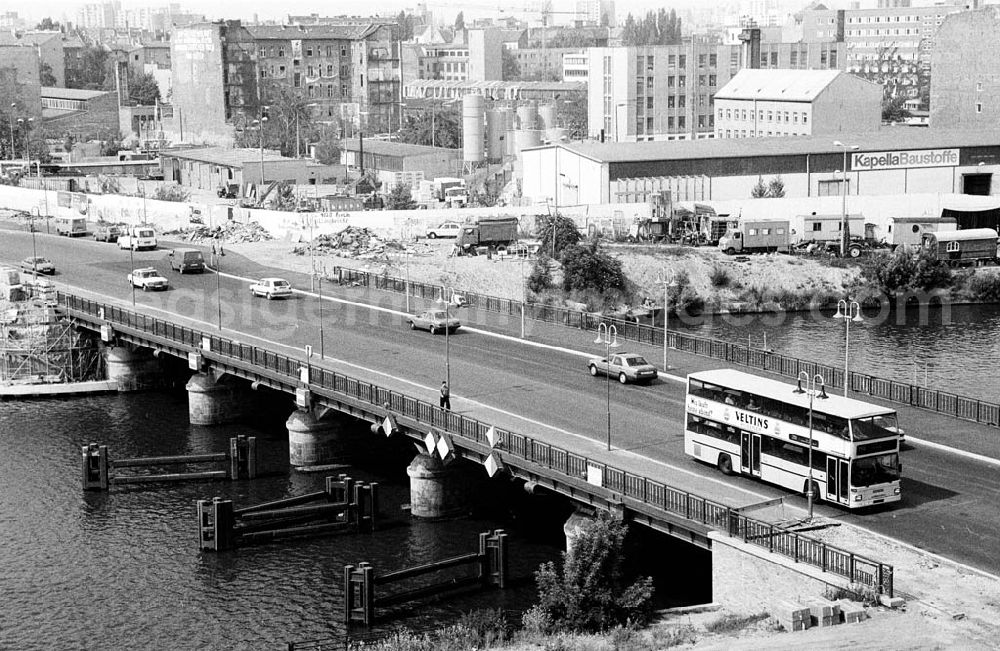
(184, 260)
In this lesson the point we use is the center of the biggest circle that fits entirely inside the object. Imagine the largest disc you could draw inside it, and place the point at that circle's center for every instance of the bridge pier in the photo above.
(575, 525)
(214, 401)
(132, 368)
(436, 490)
(320, 437)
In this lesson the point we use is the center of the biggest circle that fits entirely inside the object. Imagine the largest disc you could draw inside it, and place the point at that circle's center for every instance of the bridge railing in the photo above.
(649, 492)
(973, 409)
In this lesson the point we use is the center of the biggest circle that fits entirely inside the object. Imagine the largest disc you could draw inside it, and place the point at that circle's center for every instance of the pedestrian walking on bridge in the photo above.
(445, 396)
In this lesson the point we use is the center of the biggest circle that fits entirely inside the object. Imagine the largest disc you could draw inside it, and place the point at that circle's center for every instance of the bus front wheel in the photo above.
(725, 464)
(814, 490)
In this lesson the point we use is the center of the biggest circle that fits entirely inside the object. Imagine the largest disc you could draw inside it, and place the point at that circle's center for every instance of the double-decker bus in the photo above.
(747, 424)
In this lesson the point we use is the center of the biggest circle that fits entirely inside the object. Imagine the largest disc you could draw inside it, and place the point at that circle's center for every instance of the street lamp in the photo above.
(607, 335)
(523, 254)
(666, 278)
(813, 393)
(27, 148)
(843, 198)
(34, 251)
(445, 292)
(852, 312)
(318, 281)
(298, 111)
(10, 123)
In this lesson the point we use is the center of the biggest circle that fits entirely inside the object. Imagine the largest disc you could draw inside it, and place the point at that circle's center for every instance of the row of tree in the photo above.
(655, 28)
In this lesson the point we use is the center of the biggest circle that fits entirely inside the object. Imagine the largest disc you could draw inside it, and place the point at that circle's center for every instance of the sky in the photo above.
(443, 9)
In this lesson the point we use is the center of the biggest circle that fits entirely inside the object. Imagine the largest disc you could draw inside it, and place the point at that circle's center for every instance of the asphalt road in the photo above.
(949, 503)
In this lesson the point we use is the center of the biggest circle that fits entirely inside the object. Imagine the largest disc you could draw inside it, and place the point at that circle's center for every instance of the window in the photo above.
(309, 51)
(701, 60)
(281, 51)
(681, 101)
(343, 51)
(681, 121)
(817, 226)
(728, 114)
(712, 60)
(329, 70)
(831, 188)
(681, 61)
(649, 103)
(670, 122)
(953, 247)
(711, 80)
(670, 81)
(681, 81)
(805, 118)
(309, 71)
(752, 231)
(670, 102)
(979, 107)
(671, 60)
(979, 86)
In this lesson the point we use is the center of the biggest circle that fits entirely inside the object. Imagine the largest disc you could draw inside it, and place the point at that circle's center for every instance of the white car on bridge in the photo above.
(271, 288)
(147, 278)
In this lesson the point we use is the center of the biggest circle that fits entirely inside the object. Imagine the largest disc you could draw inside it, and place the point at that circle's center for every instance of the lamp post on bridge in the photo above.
(812, 490)
(666, 278)
(607, 335)
(851, 312)
(844, 231)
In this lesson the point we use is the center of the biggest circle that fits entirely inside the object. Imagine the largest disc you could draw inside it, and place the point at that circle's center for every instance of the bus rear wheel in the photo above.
(815, 490)
(725, 464)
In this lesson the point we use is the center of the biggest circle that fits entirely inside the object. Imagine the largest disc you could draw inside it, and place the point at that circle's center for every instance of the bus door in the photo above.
(837, 479)
(750, 453)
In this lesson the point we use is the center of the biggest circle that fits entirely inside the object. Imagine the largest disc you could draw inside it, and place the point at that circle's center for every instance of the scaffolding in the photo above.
(38, 344)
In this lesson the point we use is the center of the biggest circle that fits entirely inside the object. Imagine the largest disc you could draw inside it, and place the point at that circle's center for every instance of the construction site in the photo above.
(38, 344)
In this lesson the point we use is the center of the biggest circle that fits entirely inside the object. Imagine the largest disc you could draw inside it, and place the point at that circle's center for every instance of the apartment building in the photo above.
(478, 58)
(769, 103)
(966, 89)
(657, 92)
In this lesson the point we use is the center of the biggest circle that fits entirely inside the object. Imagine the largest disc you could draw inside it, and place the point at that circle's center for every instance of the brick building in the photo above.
(85, 114)
(50, 50)
(19, 79)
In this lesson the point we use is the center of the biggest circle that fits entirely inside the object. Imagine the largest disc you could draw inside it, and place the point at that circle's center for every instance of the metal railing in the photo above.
(942, 402)
(646, 491)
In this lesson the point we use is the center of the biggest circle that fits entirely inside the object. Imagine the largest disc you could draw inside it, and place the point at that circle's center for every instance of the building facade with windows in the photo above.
(656, 93)
(768, 103)
(966, 89)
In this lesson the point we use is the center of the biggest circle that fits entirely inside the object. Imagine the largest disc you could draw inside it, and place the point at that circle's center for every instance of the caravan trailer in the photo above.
(975, 246)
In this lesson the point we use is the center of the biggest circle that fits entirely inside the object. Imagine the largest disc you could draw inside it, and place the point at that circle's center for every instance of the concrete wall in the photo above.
(747, 579)
(849, 105)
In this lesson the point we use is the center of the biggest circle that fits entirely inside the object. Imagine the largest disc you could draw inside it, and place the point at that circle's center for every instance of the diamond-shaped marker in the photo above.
(430, 442)
(389, 425)
(493, 464)
(492, 436)
(445, 448)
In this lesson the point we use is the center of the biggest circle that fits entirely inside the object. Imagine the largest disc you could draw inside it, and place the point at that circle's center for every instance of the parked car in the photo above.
(183, 260)
(147, 278)
(39, 264)
(627, 367)
(445, 229)
(434, 321)
(107, 233)
(271, 288)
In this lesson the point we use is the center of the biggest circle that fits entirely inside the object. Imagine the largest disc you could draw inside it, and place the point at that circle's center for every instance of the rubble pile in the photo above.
(352, 242)
(231, 233)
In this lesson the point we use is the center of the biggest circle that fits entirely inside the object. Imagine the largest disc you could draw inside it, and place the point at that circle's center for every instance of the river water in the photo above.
(951, 348)
(122, 570)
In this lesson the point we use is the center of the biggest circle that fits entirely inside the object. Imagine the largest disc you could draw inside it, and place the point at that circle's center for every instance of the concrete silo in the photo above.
(473, 139)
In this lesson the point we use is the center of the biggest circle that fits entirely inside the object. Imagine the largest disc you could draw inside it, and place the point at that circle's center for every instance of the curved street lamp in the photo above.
(607, 335)
(844, 235)
(814, 392)
(666, 278)
(851, 312)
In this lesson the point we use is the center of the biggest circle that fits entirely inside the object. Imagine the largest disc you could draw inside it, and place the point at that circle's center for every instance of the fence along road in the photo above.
(648, 499)
(942, 402)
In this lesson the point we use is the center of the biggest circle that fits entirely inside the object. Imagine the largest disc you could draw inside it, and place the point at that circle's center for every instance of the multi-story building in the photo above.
(575, 66)
(99, 15)
(20, 79)
(804, 55)
(10, 20)
(966, 89)
(657, 92)
(542, 64)
(50, 50)
(596, 12)
(767, 103)
(477, 58)
(224, 70)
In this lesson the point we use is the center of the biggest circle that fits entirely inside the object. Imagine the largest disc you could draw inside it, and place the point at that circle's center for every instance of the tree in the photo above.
(48, 25)
(759, 191)
(143, 89)
(445, 122)
(902, 272)
(289, 117)
(510, 70)
(459, 22)
(540, 277)
(655, 28)
(893, 109)
(590, 594)
(405, 22)
(45, 75)
(587, 267)
(400, 198)
(328, 147)
(573, 116)
(68, 141)
(566, 234)
(776, 187)
(91, 72)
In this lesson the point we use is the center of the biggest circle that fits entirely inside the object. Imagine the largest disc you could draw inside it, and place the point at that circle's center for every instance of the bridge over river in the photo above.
(536, 398)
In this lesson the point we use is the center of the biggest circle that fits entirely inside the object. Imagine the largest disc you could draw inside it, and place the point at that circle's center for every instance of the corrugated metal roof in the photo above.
(778, 84)
(224, 156)
(887, 139)
(54, 92)
(402, 149)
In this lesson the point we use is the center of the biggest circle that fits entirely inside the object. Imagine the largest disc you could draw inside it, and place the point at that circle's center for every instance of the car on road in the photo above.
(184, 260)
(107, 233)
(147, 279)
(434, 321)
(39, 264)
(627, 367)
(445, 229)
(271, 288)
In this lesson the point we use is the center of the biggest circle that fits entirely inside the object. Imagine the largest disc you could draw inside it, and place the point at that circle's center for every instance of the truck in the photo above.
(908, 232)
(137, 238)
(973, 246)
(441, 187)
(489, 232)
(756, 237)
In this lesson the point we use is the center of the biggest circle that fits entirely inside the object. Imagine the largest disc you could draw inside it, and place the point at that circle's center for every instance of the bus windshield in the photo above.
(875, 470)
(874, 427)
